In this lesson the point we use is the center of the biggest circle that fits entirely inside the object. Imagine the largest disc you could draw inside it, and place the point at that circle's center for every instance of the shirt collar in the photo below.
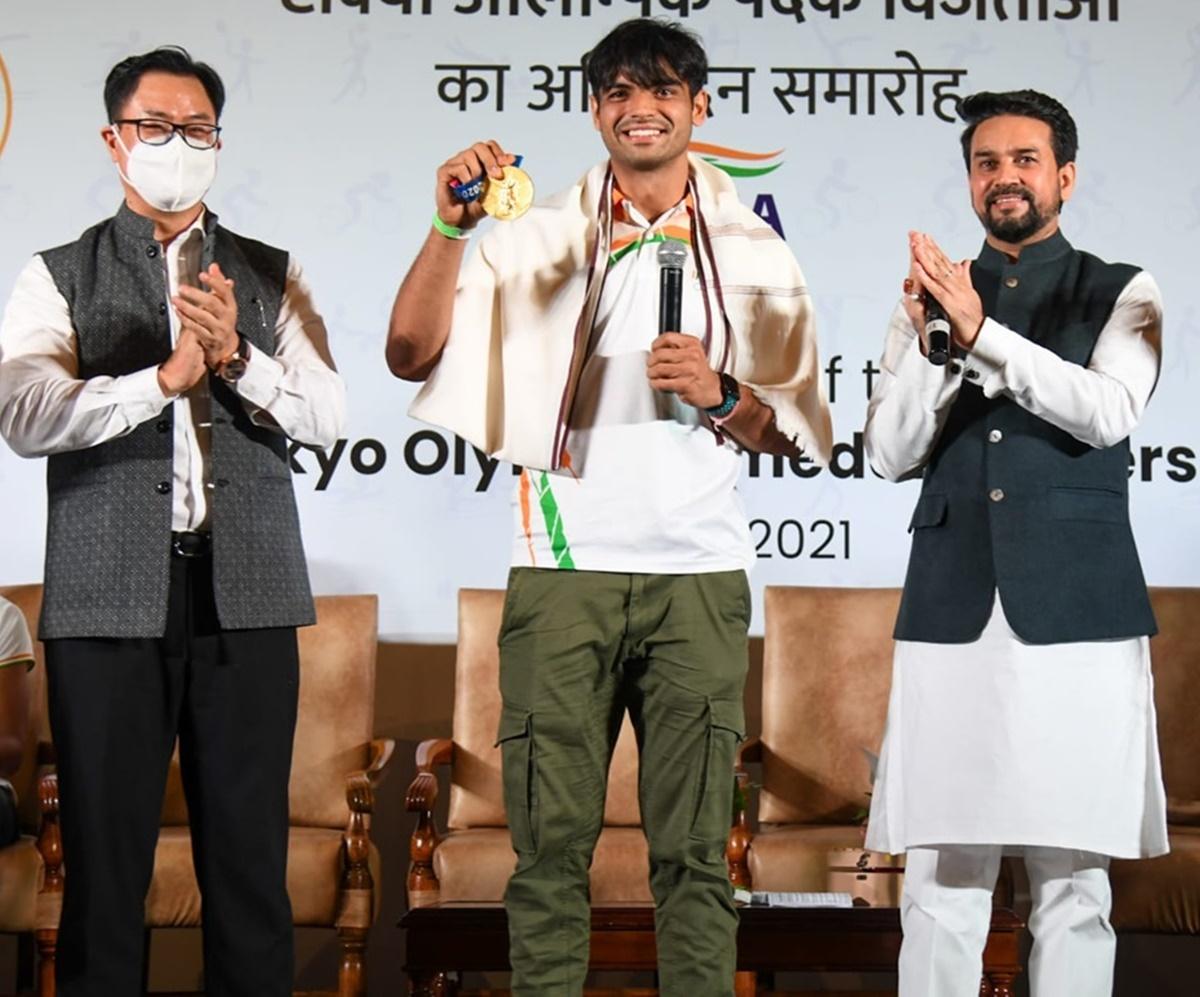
(1035, 254)
(623, 209)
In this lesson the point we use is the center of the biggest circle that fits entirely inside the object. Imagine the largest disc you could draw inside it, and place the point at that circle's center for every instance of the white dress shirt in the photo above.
(45, 408)
(999, 741)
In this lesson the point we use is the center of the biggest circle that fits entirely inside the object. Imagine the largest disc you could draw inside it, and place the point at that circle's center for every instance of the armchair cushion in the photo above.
(1173, 652)
(313, 878)
(474, 865)
(795, 858)
(1160, 895)
(21, 874)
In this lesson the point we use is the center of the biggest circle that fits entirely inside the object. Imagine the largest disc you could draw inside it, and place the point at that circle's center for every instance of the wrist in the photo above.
(731, 394)
(455, 232)
(165, 385)
(231, 367)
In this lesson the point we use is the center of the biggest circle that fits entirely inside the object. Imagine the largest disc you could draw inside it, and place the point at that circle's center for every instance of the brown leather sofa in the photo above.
(332, 863)
(473, 859)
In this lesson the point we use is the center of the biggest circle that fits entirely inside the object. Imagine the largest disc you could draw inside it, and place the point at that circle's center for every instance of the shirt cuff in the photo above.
(986, 361)
(141, 395)
(934, 384)
(260, 380)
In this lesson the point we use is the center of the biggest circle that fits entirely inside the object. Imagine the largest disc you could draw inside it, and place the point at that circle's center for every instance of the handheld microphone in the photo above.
(671, 256)
(937, 331)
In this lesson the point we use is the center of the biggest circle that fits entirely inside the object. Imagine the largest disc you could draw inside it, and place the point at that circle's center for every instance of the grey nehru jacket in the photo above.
(109, 516)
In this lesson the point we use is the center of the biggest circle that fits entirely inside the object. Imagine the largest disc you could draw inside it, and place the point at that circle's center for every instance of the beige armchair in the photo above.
(31, 869)
(473, 859)
(332, 863)
(1162, 896)
(827, 656)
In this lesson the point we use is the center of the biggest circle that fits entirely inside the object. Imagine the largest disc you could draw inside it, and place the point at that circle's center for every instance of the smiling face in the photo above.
(647, 128)
(1017, 187)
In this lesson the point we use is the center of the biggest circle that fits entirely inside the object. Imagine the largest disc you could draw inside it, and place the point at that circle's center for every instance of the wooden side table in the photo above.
(446, 939)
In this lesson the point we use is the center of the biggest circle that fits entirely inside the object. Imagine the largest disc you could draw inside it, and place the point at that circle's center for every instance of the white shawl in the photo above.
(527, 297)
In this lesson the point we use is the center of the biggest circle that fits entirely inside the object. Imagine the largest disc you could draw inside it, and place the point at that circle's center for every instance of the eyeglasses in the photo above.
(156, 131)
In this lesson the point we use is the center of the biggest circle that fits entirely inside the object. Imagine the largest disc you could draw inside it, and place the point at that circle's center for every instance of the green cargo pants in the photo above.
(578, 649)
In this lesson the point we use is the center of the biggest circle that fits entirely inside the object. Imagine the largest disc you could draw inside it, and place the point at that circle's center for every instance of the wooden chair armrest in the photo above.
(423, 883)
(423, 790)
(49, 840)
(749, 751)
(360, 786)
(356, 904)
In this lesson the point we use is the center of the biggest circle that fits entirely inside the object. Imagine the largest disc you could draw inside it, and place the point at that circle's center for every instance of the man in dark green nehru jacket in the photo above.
(1022, 715)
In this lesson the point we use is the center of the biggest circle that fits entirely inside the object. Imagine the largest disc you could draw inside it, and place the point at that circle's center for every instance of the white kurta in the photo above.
(46, 409)
(999, 741)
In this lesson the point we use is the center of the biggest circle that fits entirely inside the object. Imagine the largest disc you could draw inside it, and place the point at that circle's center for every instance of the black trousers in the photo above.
(116, 707)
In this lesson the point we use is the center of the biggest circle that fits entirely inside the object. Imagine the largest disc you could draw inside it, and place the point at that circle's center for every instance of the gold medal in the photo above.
(510, 196)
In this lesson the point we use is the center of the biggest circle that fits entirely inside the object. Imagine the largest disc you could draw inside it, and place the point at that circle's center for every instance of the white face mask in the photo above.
(171, 177)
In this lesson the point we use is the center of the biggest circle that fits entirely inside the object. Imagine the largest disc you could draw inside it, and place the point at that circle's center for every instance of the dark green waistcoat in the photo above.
(1009, 501)
(108, 536)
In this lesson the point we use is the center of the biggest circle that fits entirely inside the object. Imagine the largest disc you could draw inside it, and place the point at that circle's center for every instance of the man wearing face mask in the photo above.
(162, 363)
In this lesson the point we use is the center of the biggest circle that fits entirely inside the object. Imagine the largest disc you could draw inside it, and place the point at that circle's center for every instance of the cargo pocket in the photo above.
(519, 773)
(713, 811)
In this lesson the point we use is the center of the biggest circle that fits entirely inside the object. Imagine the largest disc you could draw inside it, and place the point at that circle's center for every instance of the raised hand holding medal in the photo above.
(509, 196)
(487, 176)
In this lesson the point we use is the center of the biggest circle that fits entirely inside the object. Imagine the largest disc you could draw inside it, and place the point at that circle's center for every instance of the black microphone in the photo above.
(672, 254)
(937, 331)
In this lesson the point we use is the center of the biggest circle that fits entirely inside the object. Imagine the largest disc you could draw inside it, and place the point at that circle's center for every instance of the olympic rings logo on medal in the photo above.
(6, 105)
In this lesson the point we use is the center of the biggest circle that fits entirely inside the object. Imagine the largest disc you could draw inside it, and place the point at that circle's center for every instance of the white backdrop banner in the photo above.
(837, 117)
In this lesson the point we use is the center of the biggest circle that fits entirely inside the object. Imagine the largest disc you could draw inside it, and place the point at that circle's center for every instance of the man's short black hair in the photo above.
(1064, 139)
(646, 50)
(124, 77)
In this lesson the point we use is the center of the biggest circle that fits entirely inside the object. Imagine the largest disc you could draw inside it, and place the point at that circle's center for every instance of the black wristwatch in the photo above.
(231, 369)
(731, 394)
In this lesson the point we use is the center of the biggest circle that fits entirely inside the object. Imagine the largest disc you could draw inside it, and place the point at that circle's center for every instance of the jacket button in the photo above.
(1011, 281)
(955, 367)
(152, 251)
(163, 425)
(162, 308)
(995, 436)
(996, 494)
(973, 374)
(163, 487)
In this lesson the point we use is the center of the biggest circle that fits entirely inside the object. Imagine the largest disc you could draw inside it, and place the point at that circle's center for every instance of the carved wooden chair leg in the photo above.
(745, 984)
(352, 970)
(49, 900)
(985, 987)
(47, 945)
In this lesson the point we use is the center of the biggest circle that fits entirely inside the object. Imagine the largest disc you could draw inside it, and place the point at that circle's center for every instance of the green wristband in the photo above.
(449, 231)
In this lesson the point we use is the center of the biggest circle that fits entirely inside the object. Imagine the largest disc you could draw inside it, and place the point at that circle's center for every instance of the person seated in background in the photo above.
(16, 658)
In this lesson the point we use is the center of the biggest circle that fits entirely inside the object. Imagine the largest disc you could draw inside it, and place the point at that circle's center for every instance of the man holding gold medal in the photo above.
(628, 589)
